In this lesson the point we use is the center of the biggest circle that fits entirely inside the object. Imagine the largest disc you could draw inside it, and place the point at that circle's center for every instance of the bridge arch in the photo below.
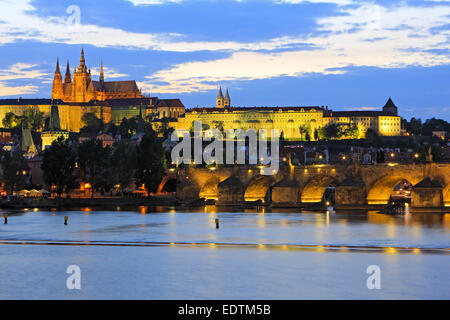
(315, 188)
(258, 188)
(210, 189)
(168, 184)
(381, 191)
(231, 191)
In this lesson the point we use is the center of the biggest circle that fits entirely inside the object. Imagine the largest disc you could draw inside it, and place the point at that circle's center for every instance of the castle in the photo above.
(83, 89)
(110, 101)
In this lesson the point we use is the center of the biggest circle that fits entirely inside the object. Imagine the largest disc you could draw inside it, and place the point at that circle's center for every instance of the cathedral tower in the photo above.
(68, 78)
(220, 99)
(81, 81)
(227, 100)
(57, 89)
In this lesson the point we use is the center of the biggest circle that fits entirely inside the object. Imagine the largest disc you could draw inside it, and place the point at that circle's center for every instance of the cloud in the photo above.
(16, 90)
(363, 34)
(19, 71)
(368, 35)
(152, 2)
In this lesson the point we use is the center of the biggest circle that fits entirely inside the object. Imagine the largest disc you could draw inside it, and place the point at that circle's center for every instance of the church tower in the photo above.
(68, 78)
(220, 99)
(227, 100)
(390, 108)
(81, 81)
(57, 89)
(102, 76)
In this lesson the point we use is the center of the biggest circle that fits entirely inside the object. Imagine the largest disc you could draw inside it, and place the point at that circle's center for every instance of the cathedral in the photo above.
(82, 89)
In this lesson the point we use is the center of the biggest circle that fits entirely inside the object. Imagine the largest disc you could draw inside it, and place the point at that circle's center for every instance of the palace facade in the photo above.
(293, 122)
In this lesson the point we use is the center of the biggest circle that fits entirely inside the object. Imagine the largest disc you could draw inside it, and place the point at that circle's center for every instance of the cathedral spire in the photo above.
(227, 100)
(102, 76)
(220, 100)
(57, 66)
(220, 95)
(82, 67)
(68, 78)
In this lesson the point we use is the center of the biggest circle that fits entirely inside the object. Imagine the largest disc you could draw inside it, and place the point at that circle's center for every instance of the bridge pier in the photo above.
(231, 192)
(351, 192)
(285, 194)
(427, 194)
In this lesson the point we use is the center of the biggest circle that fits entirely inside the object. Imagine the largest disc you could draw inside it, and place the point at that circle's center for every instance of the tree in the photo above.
(330, 131)
(90, 123)
(13, 168)
(11, 121)
(124, 164)
(58, 164)
(95, 161)
(151, 162)
(33, 119)
(304, 132)
(348, 131)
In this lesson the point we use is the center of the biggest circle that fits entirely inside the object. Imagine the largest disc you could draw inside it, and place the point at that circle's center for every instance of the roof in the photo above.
(390, 104)
(262, 109)
(22, 102)
(170, 103)
(116, 86)
(131, 102)
(357, 114)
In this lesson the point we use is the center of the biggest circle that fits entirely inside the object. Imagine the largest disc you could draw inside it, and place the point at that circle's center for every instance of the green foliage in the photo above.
(13, 164)
(151, 162)
(58, 165)
(32, 119)
(348, 131)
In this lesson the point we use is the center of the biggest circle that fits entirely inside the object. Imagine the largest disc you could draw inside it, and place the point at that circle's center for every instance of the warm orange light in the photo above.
(87, 185)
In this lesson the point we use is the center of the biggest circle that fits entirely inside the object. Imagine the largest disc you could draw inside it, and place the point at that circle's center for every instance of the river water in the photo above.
(168, 253)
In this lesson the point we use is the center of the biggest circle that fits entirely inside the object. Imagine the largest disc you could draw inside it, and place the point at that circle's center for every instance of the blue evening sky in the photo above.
(345, 54)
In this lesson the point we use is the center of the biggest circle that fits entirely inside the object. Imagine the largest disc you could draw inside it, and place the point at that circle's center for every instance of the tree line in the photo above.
(65, 164)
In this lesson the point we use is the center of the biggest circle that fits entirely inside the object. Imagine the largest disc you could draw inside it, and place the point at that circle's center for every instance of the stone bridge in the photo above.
(356, 185)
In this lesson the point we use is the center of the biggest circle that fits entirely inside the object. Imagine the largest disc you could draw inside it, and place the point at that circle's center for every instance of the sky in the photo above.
(345, 54)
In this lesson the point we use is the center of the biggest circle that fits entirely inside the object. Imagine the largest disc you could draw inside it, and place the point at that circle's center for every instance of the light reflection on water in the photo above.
(266, 254)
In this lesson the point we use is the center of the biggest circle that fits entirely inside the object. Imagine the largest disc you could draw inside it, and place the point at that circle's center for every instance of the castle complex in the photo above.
(112, 101)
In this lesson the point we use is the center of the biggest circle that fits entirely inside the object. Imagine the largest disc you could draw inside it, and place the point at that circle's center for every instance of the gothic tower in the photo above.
(57, 89)
(220, 100)
(81, 81)
(227, 100)
(68, 78)
(102, 76)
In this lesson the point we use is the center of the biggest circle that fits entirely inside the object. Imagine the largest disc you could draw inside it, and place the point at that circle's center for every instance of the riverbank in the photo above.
(112, 203)
(95, 203)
